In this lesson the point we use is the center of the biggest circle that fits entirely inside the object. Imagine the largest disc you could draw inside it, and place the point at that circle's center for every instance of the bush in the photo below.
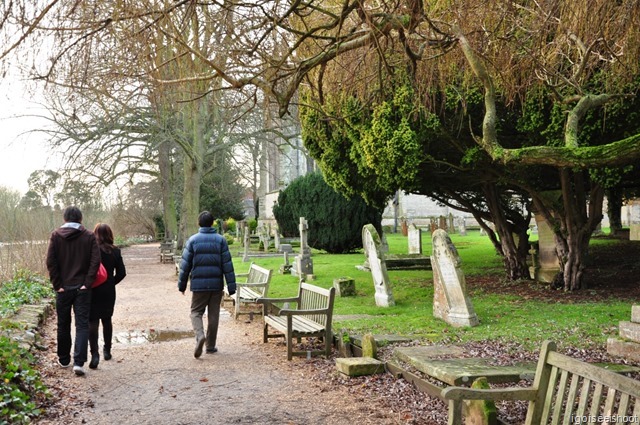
(21, 384)
(335, 222)
(25, 288)
(231, 225)
(253, 225)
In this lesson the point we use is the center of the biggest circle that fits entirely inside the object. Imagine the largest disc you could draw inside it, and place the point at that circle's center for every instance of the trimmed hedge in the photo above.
(335, 222)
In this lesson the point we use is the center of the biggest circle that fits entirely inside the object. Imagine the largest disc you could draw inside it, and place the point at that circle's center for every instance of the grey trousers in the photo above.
(211, 301)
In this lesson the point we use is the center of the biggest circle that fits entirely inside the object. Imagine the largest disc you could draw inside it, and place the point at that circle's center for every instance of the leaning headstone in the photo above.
(415, 239)
(450, 300)
(371, 242)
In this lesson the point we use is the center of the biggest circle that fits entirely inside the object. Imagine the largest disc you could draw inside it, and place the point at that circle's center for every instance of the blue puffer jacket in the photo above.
(206, 259)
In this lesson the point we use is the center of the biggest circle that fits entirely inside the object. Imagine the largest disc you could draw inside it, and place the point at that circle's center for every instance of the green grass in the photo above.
(502, 316)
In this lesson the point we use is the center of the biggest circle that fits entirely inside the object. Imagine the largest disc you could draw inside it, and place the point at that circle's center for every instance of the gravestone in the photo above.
(415, 239)
(634, 220)
(462, 226)
(628, 345)
(450, 300)
(247, 243)
(548, 265)
(371, 243)
(303, 262)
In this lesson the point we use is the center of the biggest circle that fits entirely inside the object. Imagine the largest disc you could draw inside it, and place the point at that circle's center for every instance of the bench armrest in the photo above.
(276, 300)
(290, 312)
(511, 393)
(242, 274)
(261, 284)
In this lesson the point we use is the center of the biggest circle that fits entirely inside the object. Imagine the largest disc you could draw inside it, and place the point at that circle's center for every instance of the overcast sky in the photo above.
(21, 152)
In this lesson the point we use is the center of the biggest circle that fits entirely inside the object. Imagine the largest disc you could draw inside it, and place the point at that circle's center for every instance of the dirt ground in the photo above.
(246, 382)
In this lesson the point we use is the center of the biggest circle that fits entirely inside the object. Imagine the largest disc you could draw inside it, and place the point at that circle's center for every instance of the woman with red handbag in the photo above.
(103, 297)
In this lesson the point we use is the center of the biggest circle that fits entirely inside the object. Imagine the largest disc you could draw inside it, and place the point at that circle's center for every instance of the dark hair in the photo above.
(205, 219)
(72, 215)
(104, 235)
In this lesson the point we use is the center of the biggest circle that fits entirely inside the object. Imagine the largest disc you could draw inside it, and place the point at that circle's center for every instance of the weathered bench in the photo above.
(311, 318)
(167, 250)
(255, 285)
(564, 391)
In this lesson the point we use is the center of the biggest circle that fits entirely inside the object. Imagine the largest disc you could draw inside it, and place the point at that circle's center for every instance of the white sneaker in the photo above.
(78, 370)
(64, 366)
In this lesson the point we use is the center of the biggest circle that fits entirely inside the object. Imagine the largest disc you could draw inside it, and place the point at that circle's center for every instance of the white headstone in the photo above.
(372, 242)
(634, 220)
(450, 300)
(415, 239)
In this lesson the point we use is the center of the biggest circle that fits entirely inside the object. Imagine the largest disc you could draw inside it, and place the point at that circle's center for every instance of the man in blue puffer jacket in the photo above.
(206, 260)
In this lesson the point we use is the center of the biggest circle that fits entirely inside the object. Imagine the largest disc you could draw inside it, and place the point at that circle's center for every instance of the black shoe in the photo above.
(198, 351)
(95, 359)
(107, 354)
(211, 351)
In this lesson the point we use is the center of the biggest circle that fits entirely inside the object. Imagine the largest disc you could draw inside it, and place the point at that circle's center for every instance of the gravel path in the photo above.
(160, 382)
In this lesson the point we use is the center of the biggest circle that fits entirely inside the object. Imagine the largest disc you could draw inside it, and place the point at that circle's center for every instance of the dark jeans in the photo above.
(210, 301)
(107, 334)
(80, 302)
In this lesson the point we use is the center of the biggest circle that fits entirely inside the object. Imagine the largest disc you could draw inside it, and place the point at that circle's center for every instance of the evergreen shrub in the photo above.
(335, 222)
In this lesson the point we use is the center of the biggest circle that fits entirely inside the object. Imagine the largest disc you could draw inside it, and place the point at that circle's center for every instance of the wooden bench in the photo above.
(167, 250)
(254, 286)
(564, 391)
(311, 318)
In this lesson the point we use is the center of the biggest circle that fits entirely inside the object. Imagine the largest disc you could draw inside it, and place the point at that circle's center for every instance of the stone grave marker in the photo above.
(371, 242)
(303, 261)
(415, 239)
(462, 226)
(450, 300)
(634, 220)
(548, 265)
(247, 243)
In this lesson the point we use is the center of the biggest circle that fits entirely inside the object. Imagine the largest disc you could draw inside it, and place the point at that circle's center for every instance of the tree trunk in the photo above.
(580, 217)
(614, 210)
(514, 250)
(166, 187)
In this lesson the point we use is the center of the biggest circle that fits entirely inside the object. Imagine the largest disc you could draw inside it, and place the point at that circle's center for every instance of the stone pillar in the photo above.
(548, 263)
(634, 220)
(247, 243)
(303, 262)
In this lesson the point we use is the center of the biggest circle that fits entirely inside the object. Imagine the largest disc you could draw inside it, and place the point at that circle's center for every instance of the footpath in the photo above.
(158, 381)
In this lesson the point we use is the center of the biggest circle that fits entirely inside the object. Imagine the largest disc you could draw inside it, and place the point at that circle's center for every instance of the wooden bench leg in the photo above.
(265, 333)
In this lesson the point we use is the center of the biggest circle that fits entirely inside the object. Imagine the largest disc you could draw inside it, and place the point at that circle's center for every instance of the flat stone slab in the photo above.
(359, 366)
(382, 340)
(462, 371)
(635, 313)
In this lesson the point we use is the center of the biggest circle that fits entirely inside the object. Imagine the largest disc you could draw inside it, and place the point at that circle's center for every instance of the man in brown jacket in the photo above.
(73, 258)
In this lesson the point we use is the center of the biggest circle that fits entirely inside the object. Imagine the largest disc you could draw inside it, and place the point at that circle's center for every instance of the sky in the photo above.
(21, 152)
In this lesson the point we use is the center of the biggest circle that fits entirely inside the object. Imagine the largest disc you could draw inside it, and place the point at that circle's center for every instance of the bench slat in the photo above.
(571, 400)
(584, 394)
(555, 419)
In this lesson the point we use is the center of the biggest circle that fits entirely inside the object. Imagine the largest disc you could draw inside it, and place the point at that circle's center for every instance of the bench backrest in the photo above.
(571, 391)
(258, 274)
(314, 298)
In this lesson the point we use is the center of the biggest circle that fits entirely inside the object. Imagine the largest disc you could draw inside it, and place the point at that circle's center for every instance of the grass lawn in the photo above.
(526, 312)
